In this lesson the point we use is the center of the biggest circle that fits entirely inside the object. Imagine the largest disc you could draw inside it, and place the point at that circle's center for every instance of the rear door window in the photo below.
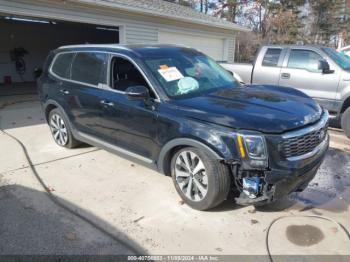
(271, 57)
(62, 63)
(304, 59)
(90, 68)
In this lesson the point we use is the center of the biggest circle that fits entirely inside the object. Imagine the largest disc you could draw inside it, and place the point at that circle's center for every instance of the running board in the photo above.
(115, 149)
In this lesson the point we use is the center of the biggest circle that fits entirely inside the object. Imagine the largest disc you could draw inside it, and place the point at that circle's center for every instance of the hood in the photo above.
(268, 109)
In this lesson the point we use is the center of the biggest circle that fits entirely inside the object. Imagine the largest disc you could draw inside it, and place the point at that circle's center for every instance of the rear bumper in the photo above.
(280, 182)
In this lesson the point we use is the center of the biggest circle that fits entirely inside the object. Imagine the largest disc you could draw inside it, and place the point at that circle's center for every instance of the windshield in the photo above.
(184, 72)
(340, 59)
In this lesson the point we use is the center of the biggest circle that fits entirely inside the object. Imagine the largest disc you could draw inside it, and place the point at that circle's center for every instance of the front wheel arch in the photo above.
(171, 147)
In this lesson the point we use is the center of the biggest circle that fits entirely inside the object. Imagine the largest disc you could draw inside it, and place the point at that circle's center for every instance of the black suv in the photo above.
(176, 110)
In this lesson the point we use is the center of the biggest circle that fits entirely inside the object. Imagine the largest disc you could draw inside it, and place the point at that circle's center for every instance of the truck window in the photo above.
(90, 68)
(304, 59)
(271, 57)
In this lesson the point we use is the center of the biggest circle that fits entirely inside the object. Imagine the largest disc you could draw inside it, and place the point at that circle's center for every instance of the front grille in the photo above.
(300, 145)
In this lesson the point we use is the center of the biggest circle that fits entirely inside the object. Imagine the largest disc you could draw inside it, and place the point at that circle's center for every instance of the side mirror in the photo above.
(137, 92)
(324, 66)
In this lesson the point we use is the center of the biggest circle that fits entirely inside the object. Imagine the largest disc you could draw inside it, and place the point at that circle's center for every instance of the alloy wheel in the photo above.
(191, 175)
(59, 130)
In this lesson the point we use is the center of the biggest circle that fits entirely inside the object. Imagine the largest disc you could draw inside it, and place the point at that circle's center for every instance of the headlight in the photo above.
(252, 149)
(255, 147)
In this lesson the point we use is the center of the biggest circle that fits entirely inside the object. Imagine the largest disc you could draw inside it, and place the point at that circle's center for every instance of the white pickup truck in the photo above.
(320, 72)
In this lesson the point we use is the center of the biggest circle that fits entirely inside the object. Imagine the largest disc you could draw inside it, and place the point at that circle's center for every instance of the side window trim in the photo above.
(111, 55)
(70, 70)
(115, 54)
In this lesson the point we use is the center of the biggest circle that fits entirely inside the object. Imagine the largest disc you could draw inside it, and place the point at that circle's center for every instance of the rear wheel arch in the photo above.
(171, 147)
(48, 109)
(345, 105)
(50, 105)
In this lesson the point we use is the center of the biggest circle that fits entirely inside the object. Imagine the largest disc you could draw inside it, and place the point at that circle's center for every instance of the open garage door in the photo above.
(213, 47)
(26, 42)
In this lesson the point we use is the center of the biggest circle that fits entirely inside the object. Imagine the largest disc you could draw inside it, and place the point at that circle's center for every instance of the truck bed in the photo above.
(243, 70)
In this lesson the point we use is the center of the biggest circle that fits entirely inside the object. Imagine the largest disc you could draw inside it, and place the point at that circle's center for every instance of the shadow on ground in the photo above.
(31, 224)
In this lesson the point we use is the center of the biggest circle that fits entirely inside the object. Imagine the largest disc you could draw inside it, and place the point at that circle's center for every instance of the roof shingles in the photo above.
(170, 10)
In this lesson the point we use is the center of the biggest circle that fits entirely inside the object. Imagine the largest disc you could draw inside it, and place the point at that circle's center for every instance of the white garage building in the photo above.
(41, 25)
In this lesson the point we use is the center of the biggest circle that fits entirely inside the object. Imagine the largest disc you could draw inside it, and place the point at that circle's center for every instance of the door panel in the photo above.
(88, 71)
(267, 67)
(301, 72)
(131, 124)
(86, 109)
(316, 85)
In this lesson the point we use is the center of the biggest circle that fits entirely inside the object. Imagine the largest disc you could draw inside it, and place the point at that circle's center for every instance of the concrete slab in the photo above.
(23, 118)
(307, 236)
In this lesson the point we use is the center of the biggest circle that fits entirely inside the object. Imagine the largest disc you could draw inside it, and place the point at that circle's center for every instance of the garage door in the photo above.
(213, 47)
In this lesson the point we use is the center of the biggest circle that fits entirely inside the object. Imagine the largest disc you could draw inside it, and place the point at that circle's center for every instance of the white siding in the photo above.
(231, 50)
(137, 33)
(212, 46)
(133, 28)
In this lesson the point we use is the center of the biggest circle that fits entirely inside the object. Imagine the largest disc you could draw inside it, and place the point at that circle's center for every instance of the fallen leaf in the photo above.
(254, 221)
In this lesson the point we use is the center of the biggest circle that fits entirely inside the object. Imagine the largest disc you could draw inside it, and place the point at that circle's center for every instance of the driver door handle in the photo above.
(285, 75)
(106, 103)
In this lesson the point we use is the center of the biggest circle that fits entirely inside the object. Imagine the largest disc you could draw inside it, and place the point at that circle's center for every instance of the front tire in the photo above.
(200, 179)
(60, 129)
(345, 122)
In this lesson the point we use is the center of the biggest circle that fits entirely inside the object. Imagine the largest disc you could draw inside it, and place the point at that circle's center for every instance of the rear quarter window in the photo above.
(61, 65)
(90, 68)
(271, 57)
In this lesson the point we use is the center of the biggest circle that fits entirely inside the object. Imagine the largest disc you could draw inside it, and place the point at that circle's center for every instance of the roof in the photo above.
(135, 49)
(168, 10)
(129, 47)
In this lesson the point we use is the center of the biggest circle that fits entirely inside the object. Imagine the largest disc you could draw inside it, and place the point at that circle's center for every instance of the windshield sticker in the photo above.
(186, 85)
(170, 74)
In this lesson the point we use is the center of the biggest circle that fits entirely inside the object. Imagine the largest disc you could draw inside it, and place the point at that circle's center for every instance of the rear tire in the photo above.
(201, 180)
(61, 130)
(345, 122)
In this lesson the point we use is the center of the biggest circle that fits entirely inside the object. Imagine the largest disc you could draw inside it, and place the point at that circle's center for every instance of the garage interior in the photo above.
(26, 41)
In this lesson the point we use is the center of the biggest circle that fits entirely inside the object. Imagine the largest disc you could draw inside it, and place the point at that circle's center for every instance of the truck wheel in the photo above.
(201, 180)
(60, 129)
(345, 122)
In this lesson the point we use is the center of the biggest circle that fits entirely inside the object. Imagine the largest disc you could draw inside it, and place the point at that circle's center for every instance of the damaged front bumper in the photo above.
(283, 177)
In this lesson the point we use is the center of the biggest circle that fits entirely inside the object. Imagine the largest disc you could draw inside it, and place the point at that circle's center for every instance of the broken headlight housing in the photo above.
(252, 149)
